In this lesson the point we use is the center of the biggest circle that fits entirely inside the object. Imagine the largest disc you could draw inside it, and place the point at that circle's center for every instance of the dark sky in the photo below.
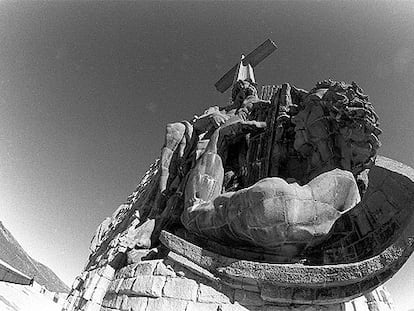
(86, 89)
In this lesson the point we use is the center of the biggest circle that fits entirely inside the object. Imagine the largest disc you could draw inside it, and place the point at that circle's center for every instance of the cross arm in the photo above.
(253, 58)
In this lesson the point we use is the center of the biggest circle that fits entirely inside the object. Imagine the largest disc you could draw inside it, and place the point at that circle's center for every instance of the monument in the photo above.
(276, 201)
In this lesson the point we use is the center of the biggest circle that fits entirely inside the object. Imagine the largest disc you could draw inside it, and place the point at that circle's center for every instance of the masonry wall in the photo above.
(165, 285)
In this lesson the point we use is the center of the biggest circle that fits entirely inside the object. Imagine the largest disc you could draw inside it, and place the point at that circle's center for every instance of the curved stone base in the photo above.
(290, 283)
(167, 285)
(177, 284)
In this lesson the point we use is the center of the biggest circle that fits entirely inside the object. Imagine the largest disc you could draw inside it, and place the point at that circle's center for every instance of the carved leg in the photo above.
(174, 134)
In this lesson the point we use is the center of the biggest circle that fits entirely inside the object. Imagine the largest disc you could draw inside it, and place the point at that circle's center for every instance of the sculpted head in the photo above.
(336, 127)
(241, 90)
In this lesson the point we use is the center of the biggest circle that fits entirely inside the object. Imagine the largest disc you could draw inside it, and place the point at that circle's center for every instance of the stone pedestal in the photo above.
(167, 285)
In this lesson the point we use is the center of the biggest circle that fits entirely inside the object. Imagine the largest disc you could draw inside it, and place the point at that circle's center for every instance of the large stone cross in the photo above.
(251, 60)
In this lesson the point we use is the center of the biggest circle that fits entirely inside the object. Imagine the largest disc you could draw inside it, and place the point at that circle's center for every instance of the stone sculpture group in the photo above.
(279, 195)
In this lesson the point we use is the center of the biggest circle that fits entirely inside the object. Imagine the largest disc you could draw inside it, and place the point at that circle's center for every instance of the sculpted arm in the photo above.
(213, 118)
(204, 186)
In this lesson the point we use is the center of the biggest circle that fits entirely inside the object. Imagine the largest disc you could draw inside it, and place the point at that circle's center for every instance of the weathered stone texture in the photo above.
(125, 286)
(165, 270)
(181, 288)
(91, 306)
(115, 285)
(109, 300)
(210, 294)
(150, 286)
(190, 265)
(196, 306)
(146, 267)
(166, 304)
(191, 292)
(134, 303)
(234, 307)
(126, 272)
(247, 298)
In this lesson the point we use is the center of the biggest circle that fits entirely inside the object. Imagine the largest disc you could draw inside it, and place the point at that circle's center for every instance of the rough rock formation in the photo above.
(273, 202)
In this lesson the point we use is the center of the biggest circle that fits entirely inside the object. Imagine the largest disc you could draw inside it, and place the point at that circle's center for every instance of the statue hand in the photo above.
(217, 119)
(243, 113)
(209, 121)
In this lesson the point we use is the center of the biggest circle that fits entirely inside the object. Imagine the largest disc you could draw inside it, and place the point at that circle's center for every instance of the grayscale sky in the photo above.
(86, 89)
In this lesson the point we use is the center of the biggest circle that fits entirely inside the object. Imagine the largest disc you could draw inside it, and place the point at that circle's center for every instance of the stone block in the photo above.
(134, 304)
(126, 272)
(137, 269)
(138, 255)
(90, 278)
(247, 298)
(75, 302)
(250, 287)
(304, 294)
(232, 283)
(114, 286)
(333, 307)
(100, 289)
(181, 288)
(107, 272)
(98, 294)
(149, 286)
(119, 300)
(109, 300)
(91, 306)
(162, 269)
(364, 224)
(193, 267)
(90, 288)
(166, 304)
(197, 306)
(395, 191)
(232, 307)
(126, 286)
(379, 210)
(210, 295)
(276, 294)
(103, 283)
(146, 267)
(240, 283)
(278, 308)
